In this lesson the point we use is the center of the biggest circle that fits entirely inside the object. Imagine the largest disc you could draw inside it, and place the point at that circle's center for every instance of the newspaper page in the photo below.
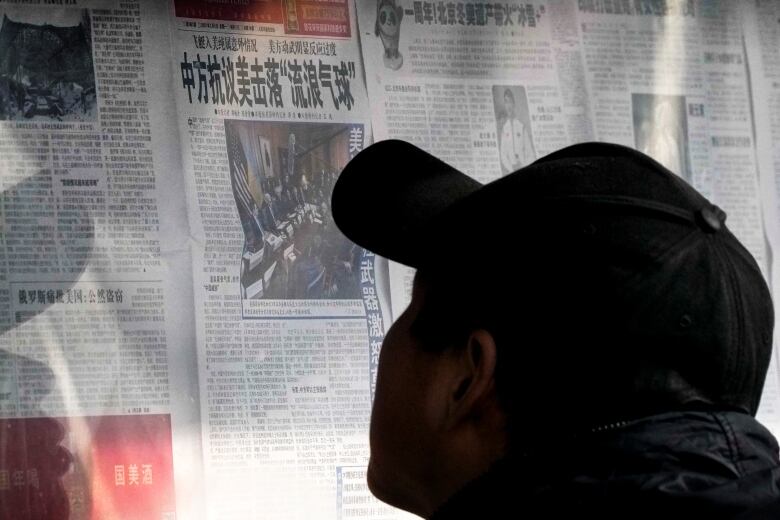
(761, 30)
(93, 331)
(475, 83)
(491, 86)
(290, 315)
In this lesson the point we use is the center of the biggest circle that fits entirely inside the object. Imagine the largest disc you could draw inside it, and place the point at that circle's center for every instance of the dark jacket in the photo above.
(693, 465)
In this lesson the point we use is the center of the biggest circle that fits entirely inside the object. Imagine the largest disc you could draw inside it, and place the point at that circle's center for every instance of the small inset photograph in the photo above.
(46, 64)
(282, 175)
(388, 29)
(513, 127)
(661, 130)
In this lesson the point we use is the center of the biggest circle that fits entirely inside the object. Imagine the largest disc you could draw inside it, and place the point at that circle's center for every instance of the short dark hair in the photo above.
(508, 93)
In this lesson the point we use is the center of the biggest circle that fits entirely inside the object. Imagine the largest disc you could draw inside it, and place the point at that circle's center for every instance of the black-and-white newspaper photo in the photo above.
(513, 127)
(282, 175)
(47, 69)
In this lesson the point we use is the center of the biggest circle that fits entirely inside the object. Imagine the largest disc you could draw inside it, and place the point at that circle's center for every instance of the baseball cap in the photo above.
(627, 279)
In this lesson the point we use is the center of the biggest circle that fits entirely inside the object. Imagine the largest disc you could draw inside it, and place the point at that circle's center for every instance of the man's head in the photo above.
(436, 419)
(590, 287)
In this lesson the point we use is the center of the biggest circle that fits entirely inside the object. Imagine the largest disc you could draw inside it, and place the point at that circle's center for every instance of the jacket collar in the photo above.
(718, 462)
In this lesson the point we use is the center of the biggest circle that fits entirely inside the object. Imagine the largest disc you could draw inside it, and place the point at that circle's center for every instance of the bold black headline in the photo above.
(639, 7)
(223, 81)
(51, 296)
(477, 14)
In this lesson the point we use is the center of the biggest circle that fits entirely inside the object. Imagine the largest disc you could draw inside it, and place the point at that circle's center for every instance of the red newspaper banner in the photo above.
(313, 18)
(86, 468)
(258, 11)
(329, 18)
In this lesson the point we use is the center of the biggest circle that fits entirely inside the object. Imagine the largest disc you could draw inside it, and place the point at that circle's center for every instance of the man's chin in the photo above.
(386, 488)
(374, 481)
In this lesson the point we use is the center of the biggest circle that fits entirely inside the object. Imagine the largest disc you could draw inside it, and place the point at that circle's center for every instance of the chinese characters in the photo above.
(226, 81)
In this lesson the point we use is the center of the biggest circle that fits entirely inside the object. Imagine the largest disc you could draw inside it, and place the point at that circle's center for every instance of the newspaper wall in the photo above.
(183, 331)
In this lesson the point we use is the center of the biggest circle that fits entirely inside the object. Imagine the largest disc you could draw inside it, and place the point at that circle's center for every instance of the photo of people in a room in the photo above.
(282, 175)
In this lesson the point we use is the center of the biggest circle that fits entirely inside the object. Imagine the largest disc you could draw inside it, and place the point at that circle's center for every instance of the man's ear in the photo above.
(472, 391)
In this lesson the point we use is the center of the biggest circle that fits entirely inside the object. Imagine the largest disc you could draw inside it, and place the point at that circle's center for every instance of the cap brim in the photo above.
(390, 192)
